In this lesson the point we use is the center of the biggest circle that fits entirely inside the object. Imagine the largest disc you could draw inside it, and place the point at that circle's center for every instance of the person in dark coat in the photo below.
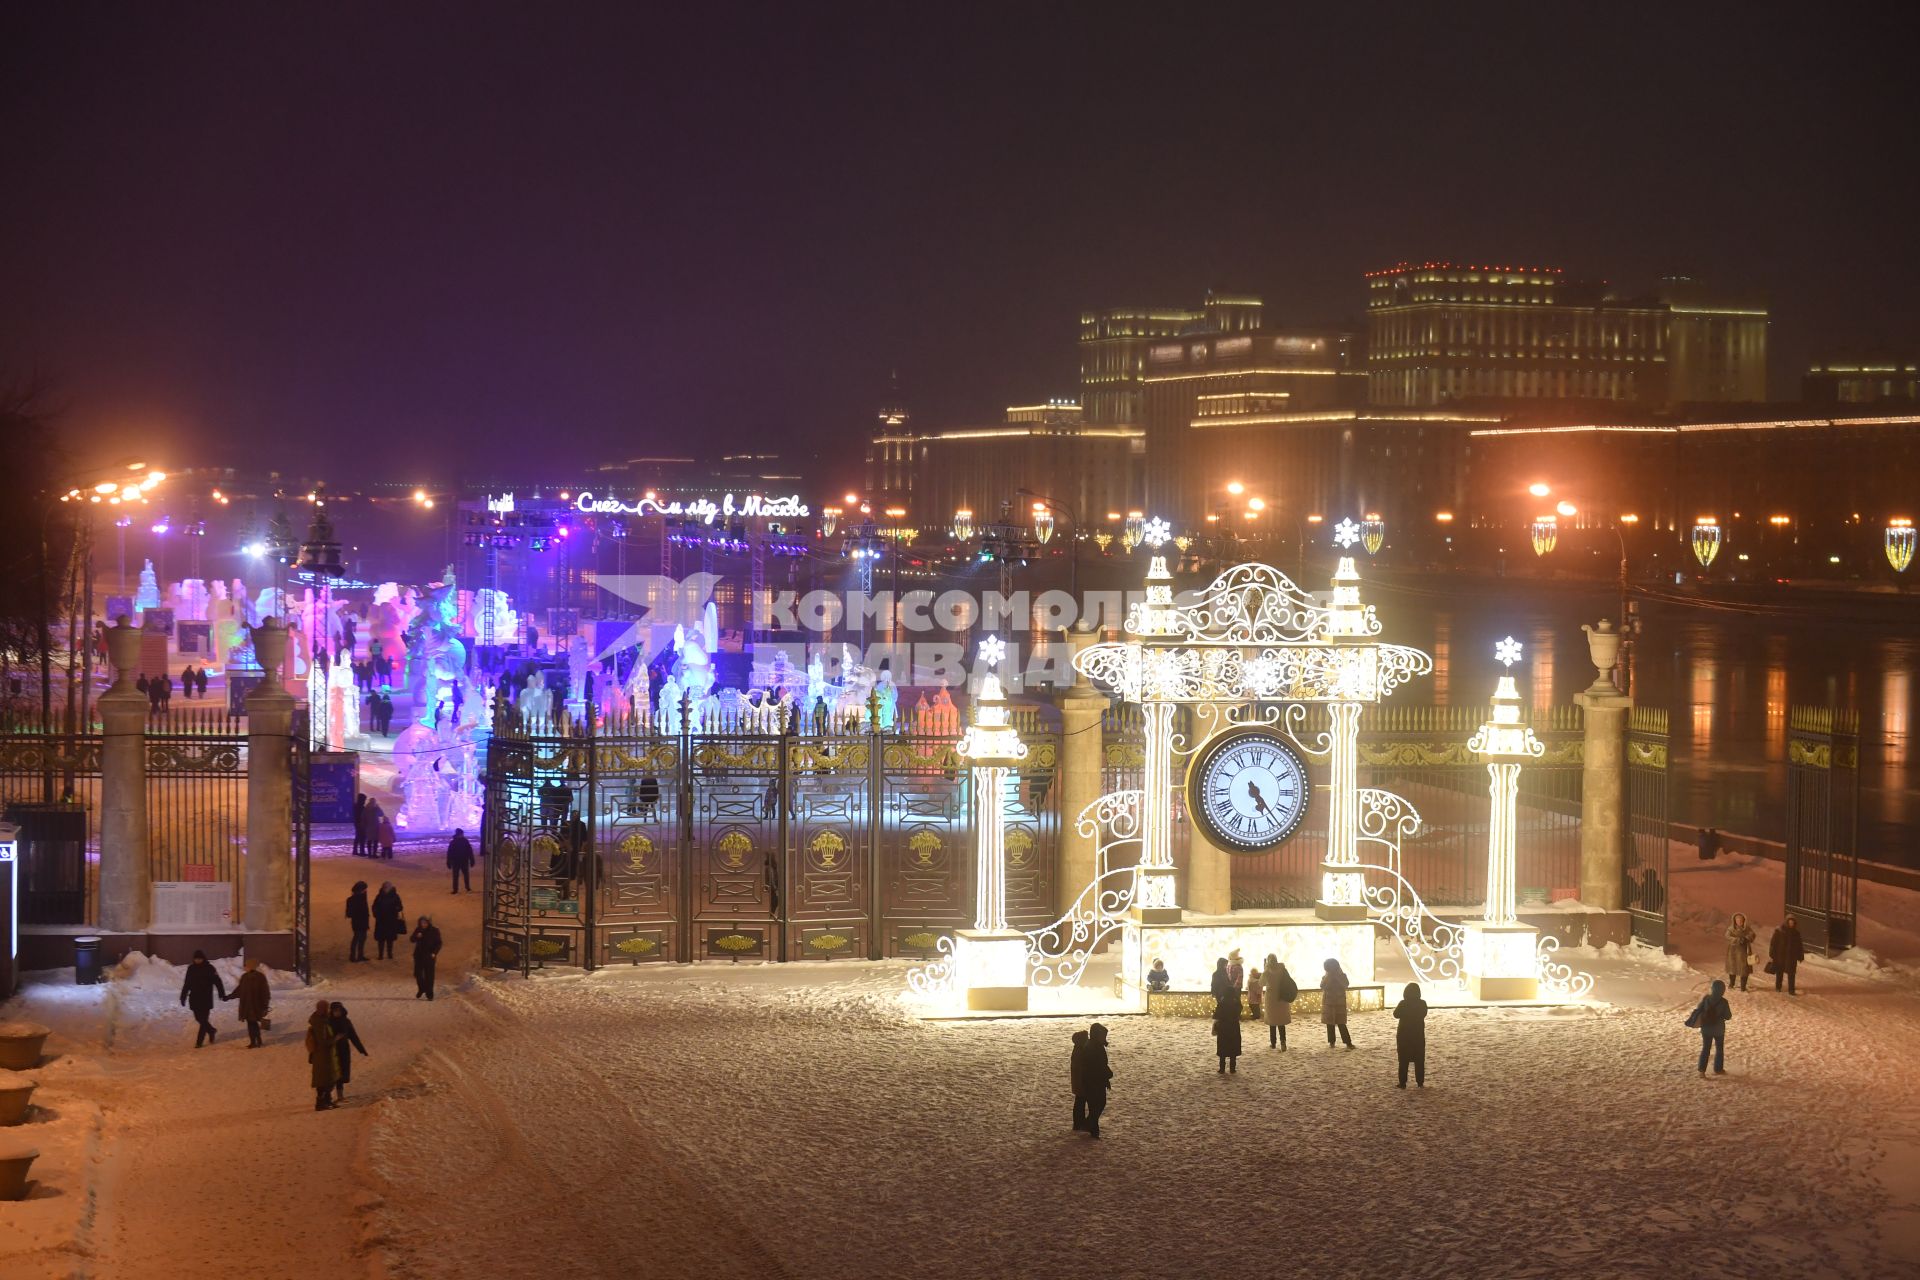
(1077, 1073)
(1333, 1002)
(358, 917)
(1411, 1035)
(1099, 1077)
(345, 1041)
(197, 990)
(1226, 1018)
(255, 999)
(322, 1063)
(1785, 950)
(389, 919)
(1711, 1016)
(460, 859)
(360, 841)
(426, 946)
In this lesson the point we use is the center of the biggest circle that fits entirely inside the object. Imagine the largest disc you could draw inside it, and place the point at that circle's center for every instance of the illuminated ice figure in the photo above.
(343, 702)
(437, 657)
(148, 594)
(436, 758)
(990, 959)
(1497, 952)
(535, 702)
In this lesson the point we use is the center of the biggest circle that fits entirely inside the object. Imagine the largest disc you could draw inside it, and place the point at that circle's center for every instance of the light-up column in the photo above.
(1342, 889)
(990, 959)
(1155, 900)
(1500, 955)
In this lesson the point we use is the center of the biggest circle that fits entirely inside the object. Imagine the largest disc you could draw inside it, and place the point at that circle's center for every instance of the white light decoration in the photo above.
(1545, 533)
(1507, 652)
(1373, 533)
(1497, 953)
(1157, 533)
(1346, 533)
(1900, 541)
(1042, 523)
(990, 959)
(829, 520)
(1706, 540)
(1132, 529)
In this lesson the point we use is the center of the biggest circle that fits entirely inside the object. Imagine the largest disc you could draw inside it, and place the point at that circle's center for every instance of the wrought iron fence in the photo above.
(50, 787)
(197, 798)
(1823, 817)
(1646, 867)
(625, 841)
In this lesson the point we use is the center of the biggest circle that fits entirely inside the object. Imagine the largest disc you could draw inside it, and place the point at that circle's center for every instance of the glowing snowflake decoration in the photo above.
(1157, 533)
(1507, 652)
(992, 650)
(1346, 533)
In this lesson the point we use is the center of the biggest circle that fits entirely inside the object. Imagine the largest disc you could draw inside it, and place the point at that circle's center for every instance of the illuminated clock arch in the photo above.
(1248, 791)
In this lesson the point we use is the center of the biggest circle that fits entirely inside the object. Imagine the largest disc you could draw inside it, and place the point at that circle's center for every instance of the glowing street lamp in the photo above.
(990, 959)
(1499, 955)
(1043, 522)
(1900, 540)
(1133, 529)
(1545, 531)
(829, 520)
(1706, 540)
(963, 524)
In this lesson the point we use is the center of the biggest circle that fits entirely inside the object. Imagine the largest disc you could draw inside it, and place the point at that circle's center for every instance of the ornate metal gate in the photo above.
(1823, 814)
(1646, 865)
(615, 842)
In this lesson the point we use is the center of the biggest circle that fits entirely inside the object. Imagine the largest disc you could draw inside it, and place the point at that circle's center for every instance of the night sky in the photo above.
(382, 240)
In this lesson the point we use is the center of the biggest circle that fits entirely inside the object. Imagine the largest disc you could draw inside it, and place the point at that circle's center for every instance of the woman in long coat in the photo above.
(1279, 991)
(1740, 937)
(1333, 1002)
(1226, 1020)
(389, 918)
(345, 1041)
(255, 999)
(320, 1055)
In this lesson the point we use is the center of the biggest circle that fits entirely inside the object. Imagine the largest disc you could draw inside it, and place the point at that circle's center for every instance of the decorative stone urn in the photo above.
(123, 650)
(16, 1091)
(1603, 647)
(16, 1157)
(20, 1044)
(270, 647)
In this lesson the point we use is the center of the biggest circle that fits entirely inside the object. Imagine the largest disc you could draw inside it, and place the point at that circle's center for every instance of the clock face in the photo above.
(1248, 791)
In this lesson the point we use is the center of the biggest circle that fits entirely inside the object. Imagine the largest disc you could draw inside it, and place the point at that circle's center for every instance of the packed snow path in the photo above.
(790, 1120)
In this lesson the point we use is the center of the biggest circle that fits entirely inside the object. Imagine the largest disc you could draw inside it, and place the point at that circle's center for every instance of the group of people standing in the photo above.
(372, 830)
(1785, 952)
(1270, 993)
(388, 917)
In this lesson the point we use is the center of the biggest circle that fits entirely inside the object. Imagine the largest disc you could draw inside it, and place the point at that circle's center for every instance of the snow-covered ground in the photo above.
(798, 1119)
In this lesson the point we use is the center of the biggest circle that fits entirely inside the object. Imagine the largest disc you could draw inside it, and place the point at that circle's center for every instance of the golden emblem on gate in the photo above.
(827, 848)
(1019, 846)
(638, 848)
(734, 848)
(925, 845)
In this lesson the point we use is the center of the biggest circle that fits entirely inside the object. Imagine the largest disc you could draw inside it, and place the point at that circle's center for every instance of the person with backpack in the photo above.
(1710, 1017)
(1279, 991)
(1410, 1037)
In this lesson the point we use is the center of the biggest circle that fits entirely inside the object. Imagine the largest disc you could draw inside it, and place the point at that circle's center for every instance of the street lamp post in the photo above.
(1073, 517)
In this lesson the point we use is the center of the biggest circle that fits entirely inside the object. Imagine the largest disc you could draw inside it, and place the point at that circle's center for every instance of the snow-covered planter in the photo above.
(20, 1044)
(16, 1157)
(16, 1091)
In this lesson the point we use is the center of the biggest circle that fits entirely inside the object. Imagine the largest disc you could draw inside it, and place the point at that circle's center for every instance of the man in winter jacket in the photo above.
(1711, 1015)
(426, 948)
(460, 859)
(1099, 1077)
(1410, 1038)
(197, 990)
(1785, 951)
(358, 918)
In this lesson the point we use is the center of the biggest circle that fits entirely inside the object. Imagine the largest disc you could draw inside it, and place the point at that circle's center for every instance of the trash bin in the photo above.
(1709, 843)
(86, 961)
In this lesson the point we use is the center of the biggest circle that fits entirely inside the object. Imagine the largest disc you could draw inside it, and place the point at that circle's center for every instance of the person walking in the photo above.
(389, 919)
(255, 999)
(360, 841)
(460, 859)
(426, 946)
(1740, 937)
(1711, 1016)
(345, 1041)
(1333, 1002)
(1077, 1073)
(1279, 992)
(358, 917)
(1410, 1037)
(324, 1066)
(1785, 950)
(1226, 1018)
(1256, 990)
(384, 827)
(1099, 1077)
(197, 989)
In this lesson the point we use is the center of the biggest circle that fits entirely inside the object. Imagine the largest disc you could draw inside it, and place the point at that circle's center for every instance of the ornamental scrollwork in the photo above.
(1560, 979)
(1057, 955)
(1253, 604)
(935, 977)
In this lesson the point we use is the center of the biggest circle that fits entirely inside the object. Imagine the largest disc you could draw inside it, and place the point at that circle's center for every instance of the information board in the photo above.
(182, 904)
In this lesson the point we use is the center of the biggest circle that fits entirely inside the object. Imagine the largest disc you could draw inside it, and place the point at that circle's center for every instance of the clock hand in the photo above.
(1259, 801)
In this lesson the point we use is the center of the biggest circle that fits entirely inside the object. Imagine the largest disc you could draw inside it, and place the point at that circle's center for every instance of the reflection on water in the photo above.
(1727, 677)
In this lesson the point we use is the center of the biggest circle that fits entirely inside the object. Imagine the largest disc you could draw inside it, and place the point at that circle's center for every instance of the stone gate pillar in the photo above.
(1083, 711)
(267, 890)
(126, 879)
(1604, 825)
(1209, 867)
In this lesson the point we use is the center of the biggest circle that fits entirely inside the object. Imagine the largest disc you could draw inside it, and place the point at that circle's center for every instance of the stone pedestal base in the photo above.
(1342, 892)
(1339, 911)
(991, 967)
(1500, 961)
(1154, 899)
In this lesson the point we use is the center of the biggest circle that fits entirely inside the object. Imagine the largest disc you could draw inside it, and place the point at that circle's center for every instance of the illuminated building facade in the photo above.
(1113, 354)
(1442, 333)
(1861, 381)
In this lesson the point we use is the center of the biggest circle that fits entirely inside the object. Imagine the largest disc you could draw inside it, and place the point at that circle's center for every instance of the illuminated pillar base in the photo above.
(1154, 899)
(1500, 961)
(1342, 893)
(991, 967)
